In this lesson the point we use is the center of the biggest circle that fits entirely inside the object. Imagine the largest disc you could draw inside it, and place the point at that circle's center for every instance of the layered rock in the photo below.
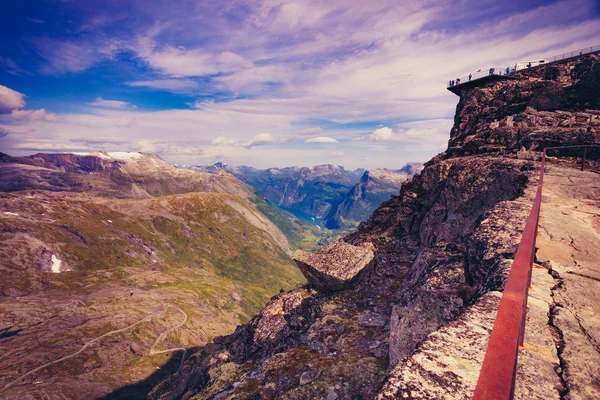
(335, 267)
(441, 247)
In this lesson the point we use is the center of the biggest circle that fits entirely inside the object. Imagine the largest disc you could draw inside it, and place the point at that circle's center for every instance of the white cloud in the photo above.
(11, 67)
(382, 134)
(33, 115)
(260, 140)
(10, 100)
(291, 65)
(100, 102)
(175, 85)
(311, 131)
(182, 62)
(74, 56)
(321, 139)
(224, 141)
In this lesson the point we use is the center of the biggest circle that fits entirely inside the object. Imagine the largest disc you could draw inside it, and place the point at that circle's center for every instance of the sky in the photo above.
(265, 83)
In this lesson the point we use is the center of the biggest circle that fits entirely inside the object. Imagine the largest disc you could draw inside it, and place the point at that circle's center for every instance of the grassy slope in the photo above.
(129, 257)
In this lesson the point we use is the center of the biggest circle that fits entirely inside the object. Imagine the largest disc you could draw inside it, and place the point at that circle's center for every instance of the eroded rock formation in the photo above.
(335, 267)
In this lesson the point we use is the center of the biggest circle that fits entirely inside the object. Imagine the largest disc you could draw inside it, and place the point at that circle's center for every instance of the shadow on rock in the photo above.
(141, 389)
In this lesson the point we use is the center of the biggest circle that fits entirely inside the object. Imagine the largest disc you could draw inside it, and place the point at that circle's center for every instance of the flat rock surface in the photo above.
(447, 364)
(569, 239)
(334, 267)
(538, 358)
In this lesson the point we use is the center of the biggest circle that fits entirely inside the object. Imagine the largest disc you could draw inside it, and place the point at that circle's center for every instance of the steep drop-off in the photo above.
(442, 247)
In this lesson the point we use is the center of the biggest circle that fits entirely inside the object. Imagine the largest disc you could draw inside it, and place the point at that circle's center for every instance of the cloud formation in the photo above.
(310, 131)
(100, 102)
(174, 85)
(214, 76)
(382, 134)
(10, 100)
(259, 140)
(33, 115)
(224, 141)
(321, 139)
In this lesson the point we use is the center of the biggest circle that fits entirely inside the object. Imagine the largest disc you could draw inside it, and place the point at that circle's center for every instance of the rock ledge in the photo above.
(335, 267)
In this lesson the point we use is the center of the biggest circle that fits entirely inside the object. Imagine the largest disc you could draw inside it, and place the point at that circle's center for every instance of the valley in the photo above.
(115, 265)
(86, 276)
(326, 196)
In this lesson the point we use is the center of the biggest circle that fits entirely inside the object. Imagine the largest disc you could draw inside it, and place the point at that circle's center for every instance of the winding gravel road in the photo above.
(97, 339)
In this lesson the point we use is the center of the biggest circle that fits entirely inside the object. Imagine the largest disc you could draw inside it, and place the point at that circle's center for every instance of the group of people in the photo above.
(492, 71)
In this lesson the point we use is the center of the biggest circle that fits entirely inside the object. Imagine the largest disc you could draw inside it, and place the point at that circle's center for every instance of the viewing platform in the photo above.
(499, 74)
(481, 77)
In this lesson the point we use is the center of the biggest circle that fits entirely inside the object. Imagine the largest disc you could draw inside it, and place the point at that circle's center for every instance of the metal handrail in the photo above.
(482, 74)
(512, 70)
(585, 147)
(499, 368)
(575, 53)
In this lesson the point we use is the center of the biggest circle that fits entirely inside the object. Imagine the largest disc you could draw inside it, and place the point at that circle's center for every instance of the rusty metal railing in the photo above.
(499, 369)
(585, 151)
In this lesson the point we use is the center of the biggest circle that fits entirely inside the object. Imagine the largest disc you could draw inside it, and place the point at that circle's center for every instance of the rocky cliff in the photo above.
(442, 250)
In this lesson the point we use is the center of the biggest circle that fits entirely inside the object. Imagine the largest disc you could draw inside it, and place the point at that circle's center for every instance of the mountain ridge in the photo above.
(92, 244)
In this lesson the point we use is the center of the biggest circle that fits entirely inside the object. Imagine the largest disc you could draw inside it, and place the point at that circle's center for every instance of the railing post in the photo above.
(583, 159)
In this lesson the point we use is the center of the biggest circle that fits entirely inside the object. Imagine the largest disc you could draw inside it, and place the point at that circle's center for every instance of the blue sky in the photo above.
(262, 83)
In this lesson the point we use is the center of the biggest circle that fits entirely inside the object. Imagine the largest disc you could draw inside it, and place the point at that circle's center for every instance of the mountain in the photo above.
(119, 174)
(339, 197)
(375, 187)
(403, 307)
(309, 190)
(122, 256)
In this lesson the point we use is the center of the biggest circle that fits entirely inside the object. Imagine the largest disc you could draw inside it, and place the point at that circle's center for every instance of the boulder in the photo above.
(335, 267)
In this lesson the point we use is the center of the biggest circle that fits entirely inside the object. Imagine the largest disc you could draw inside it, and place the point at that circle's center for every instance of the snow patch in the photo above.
(11, 213)
(101, 155)
(125, 155)
(56, 263)
(109, 221)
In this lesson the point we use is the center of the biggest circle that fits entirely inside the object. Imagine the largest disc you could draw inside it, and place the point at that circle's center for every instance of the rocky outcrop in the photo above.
(335, 267)
(552, 105)
(444, 245)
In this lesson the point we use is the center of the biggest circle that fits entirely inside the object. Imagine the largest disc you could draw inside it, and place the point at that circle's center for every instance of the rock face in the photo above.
(553, 105)
(443, 246)
(334, 267)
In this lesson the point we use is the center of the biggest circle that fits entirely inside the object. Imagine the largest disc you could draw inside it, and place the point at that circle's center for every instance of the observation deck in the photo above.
(480, 77)
(499, 74)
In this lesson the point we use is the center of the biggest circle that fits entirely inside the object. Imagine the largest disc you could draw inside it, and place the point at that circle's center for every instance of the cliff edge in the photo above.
(442, 251)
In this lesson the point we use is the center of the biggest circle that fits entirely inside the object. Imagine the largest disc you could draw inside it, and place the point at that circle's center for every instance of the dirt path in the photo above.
(167, 332)
(97, 339)
(569, 242)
